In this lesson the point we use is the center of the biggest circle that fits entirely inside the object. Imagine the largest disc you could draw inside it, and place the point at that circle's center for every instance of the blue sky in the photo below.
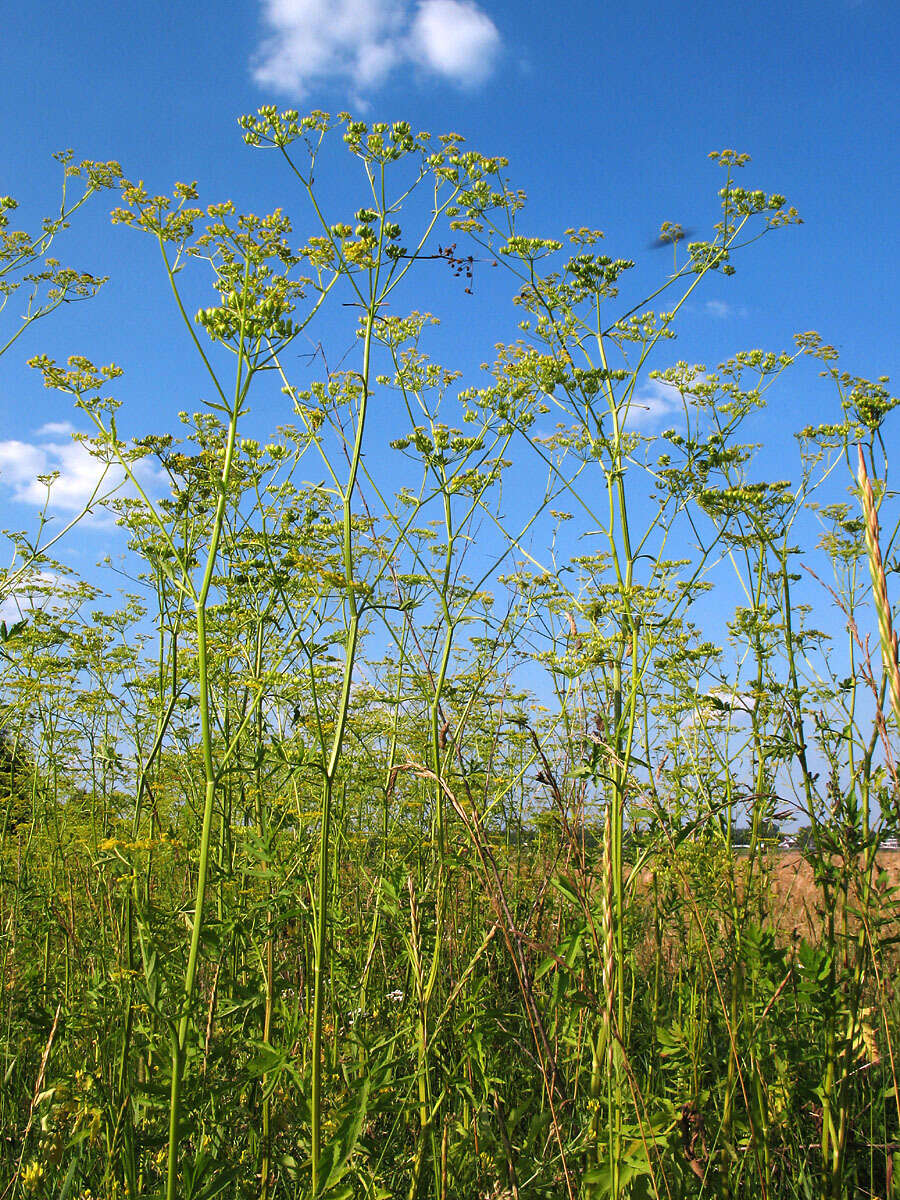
(606, 114)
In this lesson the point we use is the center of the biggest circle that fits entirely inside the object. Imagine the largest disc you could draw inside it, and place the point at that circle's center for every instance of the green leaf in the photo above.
(566, 888)
(203, 1181)
(337, 1153)
(8, 633)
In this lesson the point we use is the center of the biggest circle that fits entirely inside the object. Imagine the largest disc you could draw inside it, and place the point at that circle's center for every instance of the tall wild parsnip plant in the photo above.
(397, 838)
(37, 284)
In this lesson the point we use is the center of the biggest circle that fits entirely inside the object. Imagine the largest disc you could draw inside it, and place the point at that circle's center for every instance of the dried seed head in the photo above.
(889, 649)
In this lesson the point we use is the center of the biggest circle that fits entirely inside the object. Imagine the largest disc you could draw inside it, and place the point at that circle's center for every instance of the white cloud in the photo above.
(56, 429)
(36, 589)
(361, 42)
(654, 404)
(732, 700)
(20, 462)
(10, 611)
(716, 705)
(454, 38)
(79, 472)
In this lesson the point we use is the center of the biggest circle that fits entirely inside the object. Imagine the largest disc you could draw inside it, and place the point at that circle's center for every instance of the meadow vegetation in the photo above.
(378, 839)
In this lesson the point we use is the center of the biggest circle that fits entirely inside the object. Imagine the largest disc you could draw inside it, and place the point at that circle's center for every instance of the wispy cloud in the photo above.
(723, 311)
(46, 590)
(361, 42)
(717, 705)
(80, 476)
(726, 700)
(56, 429)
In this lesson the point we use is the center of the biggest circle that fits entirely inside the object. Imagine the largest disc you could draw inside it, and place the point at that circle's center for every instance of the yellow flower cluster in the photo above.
(118, 844)
(32, 1176)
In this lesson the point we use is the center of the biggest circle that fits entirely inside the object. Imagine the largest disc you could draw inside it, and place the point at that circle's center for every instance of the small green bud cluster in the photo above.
(244, 315)
(269, 127)
(381, 142)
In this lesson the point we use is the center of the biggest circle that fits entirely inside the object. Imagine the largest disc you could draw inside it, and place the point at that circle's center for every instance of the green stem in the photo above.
(179, 1039)
(322, 890)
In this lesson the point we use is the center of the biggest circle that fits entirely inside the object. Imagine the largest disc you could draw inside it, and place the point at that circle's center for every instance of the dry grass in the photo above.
(797, 901)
